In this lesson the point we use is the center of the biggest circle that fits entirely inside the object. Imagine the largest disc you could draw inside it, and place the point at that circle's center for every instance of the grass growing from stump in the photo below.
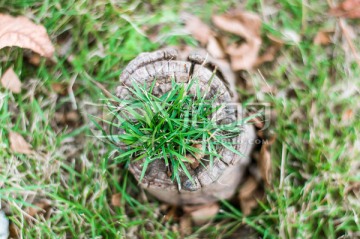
(175, 127)
(315, 157)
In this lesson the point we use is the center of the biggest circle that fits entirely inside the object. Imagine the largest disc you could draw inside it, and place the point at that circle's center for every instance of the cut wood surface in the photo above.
(210, 183)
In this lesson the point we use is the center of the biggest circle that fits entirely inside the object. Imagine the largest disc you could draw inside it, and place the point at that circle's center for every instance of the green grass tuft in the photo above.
(169, 127)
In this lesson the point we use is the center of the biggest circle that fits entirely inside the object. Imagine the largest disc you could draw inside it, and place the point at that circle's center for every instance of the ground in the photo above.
(316, 103)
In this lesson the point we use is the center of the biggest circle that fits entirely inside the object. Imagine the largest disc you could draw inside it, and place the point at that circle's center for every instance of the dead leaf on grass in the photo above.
(244, 57)
(264, 162)
(202, 214)
(323, 38)
(18, 144)
(241, 23)
(270, 53)
(171, 214)
(60, 88)
(215, 48)
(195, 160)
(21, 32)
(347, 115)
(11, 81)
(347, 9)
(34, 59)
(116, 200)
(14, 231)
(246, 25)
(41, 207)
(199, 30)
(71, 117)
(247, 195)
(185, 225)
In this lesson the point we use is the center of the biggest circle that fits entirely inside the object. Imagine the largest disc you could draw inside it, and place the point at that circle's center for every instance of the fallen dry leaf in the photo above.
(244, 57)
(199, 30)
(347, 9)
(347, 115)
(41, 207)
(248, 196)
(322, 38)
(241, 23)
(11, 81)
(70, 118)
(14, 231)
(270, 52)
(185, 225)
(257, 122)
(248, 189)
(18, 144)
(214, 48)
(198, 155)
(202, 214)
(116, 200)
(60, 88)
(246, 25)
(195, 161)
(34, 59)
(171, 214)
(21, 32)
(264, 164)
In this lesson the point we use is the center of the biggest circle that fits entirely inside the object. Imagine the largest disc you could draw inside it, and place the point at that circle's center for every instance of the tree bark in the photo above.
(210, 183)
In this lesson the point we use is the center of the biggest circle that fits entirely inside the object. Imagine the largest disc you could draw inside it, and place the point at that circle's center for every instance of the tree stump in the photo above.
(210, 183)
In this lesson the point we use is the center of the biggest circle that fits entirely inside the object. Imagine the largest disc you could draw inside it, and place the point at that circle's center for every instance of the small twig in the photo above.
(105, 91)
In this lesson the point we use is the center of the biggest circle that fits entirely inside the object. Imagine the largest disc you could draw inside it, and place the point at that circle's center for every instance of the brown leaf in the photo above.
(116, 199)
(198, 155)
(264, 164)
(347, 115)
(246, 25)
(195, 161)
(34, 59)
(72, 117)
(42, 207)
(171, 214)
(60, 88)
(248, 189)
(14, 231)
(257, 122)
(214, 48)
(245, 56)
(21, 32)
(202, 214)
(11, 81)
(247, 195)
(185, 225)
(322, 38)
(199, 30)
(69, 118)
(347, 9)
(18, 144)
(241, 23)
(270, 53)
